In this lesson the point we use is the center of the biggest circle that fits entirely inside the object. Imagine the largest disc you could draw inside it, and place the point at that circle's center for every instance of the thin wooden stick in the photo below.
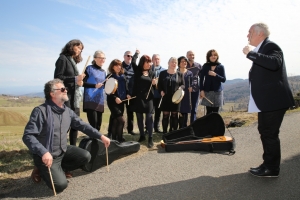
(160, 102)
(208, 100)
(128, 99)
(87, 62)
(102, 83)
(107, 160)
(149, 91)
(52, 181)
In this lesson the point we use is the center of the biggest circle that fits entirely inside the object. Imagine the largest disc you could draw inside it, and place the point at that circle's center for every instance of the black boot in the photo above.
(150, 142)
(142, 138)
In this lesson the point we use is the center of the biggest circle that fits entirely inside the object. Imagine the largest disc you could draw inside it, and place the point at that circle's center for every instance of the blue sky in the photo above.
(33, 33)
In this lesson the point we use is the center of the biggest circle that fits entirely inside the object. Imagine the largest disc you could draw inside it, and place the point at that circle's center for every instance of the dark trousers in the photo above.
(129, 118)
(182, 120)
(156, 123)
(148, 120)
(268, 126)
(94, 118)
(72, 159)
(194, 101)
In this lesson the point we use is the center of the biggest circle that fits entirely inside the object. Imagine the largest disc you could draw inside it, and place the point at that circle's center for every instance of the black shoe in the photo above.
(264, 172)
(150, 142)
(256, 168)
(142, 138)
(131, 133)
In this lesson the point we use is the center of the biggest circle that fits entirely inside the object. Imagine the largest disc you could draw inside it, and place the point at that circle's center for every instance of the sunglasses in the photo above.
(129, 56)
(63, 89)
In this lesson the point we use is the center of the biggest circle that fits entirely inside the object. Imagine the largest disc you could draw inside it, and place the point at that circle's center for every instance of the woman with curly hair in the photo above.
(67, 71)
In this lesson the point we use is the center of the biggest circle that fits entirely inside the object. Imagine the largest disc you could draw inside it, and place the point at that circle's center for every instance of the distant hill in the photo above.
(236, 90)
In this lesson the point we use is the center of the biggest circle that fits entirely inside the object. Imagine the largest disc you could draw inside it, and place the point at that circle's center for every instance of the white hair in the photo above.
(262, 27)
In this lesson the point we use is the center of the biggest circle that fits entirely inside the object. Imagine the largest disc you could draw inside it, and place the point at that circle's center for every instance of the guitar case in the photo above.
(98, 152)
(208, 126)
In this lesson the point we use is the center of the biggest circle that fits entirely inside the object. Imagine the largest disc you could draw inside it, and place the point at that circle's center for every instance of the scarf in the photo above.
(213, 63)
(50, 108)
(78, 93)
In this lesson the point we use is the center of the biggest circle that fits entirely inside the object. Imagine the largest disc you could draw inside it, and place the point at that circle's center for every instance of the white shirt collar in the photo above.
(258, 46)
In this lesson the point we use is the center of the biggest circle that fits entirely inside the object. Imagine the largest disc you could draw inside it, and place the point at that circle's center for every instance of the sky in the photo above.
(33, 32)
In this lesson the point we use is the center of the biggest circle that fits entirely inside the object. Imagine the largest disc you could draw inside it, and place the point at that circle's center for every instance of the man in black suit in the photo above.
(270, 95)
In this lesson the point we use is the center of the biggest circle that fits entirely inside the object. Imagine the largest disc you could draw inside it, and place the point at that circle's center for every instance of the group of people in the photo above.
(149, 89)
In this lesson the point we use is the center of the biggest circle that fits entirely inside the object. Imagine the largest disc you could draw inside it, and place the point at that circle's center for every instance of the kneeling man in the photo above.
(45, 135)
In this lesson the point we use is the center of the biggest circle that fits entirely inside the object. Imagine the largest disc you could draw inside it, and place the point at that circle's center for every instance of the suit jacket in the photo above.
(65, 71)
(269, 86)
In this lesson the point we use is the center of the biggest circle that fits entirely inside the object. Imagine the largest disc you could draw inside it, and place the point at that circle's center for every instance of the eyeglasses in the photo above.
(129, 56)
(103, 58)
(63, 89)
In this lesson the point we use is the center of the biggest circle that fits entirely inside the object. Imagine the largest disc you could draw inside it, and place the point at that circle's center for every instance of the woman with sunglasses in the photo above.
(169, 82)
(114, 101)
(211, 79)
(67, 71)
(93, 98)
(186, 102)
(144, 81)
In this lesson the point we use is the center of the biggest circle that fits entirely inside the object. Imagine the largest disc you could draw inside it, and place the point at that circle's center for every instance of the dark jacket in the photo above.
(212, 83)
(269, 85)
(65, 71)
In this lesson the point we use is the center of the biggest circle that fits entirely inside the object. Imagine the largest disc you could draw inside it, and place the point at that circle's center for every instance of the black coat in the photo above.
(268, 78)
(65, 71)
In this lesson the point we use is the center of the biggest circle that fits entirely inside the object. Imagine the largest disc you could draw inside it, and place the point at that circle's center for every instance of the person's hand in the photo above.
(246, 49)
(137, 51)
(212, 73)
(105, 140)
(154, 81)
(202, 94)
(98, 85)
(162, 93)
(79, 83)
(128, 96)
(80, 77)
(47, 159)
(118, 100)
(190, 89)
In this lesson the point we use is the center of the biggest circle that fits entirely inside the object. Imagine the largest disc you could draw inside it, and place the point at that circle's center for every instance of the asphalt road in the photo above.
(188, 175)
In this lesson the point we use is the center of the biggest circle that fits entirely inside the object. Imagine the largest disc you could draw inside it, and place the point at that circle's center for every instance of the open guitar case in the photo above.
(208, 126)
(98, 152)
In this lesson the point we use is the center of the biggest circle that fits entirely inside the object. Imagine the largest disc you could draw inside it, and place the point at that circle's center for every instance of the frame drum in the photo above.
(111, 86)
(177, 96)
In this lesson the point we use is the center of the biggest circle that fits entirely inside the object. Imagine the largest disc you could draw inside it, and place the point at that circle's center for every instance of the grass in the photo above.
(15, 159)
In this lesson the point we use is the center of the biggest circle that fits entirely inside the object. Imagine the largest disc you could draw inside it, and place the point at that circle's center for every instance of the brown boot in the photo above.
(68, 174)
(35, 175)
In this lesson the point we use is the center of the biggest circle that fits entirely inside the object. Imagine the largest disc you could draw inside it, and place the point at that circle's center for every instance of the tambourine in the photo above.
(177, 96)
(111, 86)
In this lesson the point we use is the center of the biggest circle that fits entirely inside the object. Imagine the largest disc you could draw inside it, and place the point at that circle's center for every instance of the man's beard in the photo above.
(64, 98)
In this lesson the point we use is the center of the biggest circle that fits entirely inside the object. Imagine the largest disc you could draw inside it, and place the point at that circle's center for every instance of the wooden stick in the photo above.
(160, 101)
(149, 91)
(52, 181)
(107, 160)
(102, 83)
(87, 62)
(208, 100)
(128, 99)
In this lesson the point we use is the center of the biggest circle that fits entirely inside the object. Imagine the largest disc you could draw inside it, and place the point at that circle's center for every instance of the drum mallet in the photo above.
(107, 160)
(52, 181)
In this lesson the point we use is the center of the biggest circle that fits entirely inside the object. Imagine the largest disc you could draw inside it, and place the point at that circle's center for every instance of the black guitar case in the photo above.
(208, 126)
(98, 152)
